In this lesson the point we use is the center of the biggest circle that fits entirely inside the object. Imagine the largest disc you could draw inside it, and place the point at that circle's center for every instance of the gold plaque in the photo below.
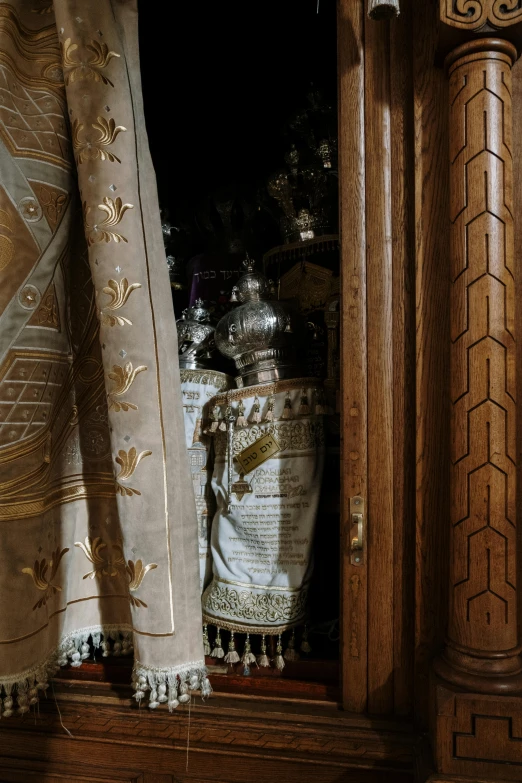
(254, 455)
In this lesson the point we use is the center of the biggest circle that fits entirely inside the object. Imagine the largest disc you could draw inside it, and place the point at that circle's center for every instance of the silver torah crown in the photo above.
(195, 338)
(257, 335)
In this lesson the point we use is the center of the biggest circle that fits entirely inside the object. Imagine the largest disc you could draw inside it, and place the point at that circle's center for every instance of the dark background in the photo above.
(220, 79)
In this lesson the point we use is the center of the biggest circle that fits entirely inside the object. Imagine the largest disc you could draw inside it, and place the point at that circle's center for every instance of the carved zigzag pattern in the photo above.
(483, 357)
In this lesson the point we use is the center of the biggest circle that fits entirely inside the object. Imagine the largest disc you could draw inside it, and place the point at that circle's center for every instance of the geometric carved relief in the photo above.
(474, 14)
(483, 615)
(478, 736)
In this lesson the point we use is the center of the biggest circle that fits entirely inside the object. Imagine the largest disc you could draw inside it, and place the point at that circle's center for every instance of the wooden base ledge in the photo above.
(225, 739)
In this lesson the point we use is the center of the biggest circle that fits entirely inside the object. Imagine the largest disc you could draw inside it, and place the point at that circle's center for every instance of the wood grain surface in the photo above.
(483, 607)
(354, 449)
(431, 172)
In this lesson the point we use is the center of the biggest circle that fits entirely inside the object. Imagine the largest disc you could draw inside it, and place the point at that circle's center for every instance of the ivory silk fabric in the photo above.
(197, 388)
(262, 544)
(98, 532)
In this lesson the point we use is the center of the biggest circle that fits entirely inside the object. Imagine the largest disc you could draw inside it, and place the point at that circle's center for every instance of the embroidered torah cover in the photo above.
(262, 542)
(197, 388)
(98, 532)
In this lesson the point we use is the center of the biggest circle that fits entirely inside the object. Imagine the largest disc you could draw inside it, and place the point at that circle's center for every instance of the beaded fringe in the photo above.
(171, 686)
(248, 657)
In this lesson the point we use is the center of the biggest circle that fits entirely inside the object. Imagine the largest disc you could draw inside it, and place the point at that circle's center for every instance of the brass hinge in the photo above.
(357, 531)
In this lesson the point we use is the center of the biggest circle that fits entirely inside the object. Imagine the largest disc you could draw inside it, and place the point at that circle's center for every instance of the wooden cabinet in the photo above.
(430, 688)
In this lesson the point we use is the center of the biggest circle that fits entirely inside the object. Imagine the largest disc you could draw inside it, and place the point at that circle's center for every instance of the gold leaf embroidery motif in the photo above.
(119, 292)
(39, 574)
(92, 150)
(136, 574)
(104, 564)
(128, 462)
(89, 68)
(114, 212)
(123, 378)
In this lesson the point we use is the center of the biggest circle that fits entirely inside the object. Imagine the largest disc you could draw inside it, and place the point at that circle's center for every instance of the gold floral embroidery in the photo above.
(119, 292)
(89, 69)
(114, 212)
(92, 150)
(123, 378)
(39, 574)
(136, 574)
(103, 563)
(128, 462)
(106, 565)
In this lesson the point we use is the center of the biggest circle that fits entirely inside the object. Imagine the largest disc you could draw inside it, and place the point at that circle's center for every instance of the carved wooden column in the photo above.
(482, 634)
(477, 734)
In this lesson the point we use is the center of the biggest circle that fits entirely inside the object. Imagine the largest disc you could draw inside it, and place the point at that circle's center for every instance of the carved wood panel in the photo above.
(478, 735)
(483, 567)
(474, 14)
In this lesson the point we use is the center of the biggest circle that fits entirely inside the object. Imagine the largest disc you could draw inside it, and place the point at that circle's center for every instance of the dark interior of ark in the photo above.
(241, 114)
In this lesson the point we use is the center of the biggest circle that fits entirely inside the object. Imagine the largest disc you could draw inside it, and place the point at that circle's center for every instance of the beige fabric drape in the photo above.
(98, 533)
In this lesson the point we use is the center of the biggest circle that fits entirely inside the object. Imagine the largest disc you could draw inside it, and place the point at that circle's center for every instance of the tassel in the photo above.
(320, 407)
(206, 645)
(241, 421)
(287, 410)
(256, 412)
(229, 417)
(383, 9)
(305, 644)
(304, 408)
(269, 416)
(231, 656)
(262, 660)
(291, 653)
(248, 656)
(213, 420)
(218, 651)
(279, 661)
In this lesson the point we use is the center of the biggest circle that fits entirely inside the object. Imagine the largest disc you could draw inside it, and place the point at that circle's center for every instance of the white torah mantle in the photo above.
(267, 500)
(197, 388)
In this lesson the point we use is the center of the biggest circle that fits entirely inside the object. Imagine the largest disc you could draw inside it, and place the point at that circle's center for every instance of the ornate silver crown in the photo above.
(257, 335)
(195, 337)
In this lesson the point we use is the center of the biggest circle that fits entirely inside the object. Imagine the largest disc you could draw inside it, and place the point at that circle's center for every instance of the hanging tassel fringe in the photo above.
(232, 656)
(291, 653)
(279, 661)
(269, 415)
(214, 421)
(287, 410)
(206, 645)
(263, 660)
(304, 408)
(218, 651)
(255, 417)
(248, 656)
(320, 405)
(18, 694)
(241, 421)
(305, 644)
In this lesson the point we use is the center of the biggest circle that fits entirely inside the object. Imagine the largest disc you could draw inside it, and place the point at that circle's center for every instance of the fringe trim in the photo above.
(21, 691)
(171, 686)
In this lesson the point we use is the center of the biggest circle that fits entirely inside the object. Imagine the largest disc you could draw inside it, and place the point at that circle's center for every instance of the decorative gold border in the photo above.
(266, 390)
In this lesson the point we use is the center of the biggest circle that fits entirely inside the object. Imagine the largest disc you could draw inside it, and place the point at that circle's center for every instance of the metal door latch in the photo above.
(357, 531)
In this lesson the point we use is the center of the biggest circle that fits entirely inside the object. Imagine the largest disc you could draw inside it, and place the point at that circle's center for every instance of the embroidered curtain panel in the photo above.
(98, 536)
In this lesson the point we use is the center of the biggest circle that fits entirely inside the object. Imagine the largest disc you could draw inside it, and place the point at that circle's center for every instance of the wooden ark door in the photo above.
(430, 112)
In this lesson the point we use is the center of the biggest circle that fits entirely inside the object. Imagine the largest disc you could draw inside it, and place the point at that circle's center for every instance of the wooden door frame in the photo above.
(377, 350)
